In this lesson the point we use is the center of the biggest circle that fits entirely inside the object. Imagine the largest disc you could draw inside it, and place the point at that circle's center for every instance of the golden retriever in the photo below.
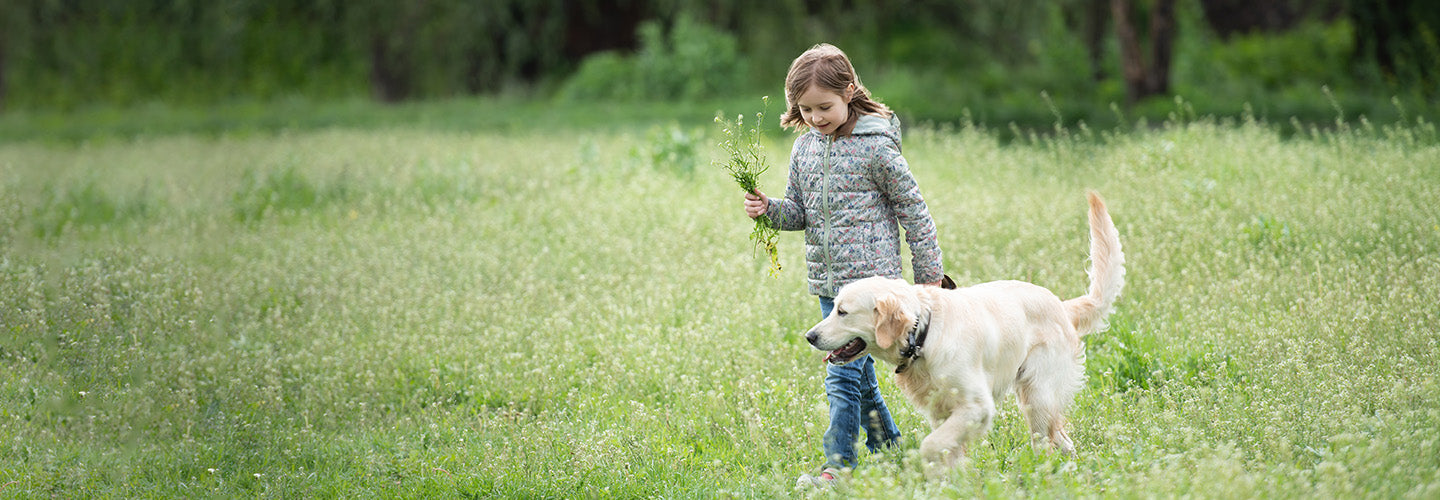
(959, 351)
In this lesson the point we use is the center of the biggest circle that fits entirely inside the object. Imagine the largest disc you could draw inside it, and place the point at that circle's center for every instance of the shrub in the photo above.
(692, 61)
(670, 149)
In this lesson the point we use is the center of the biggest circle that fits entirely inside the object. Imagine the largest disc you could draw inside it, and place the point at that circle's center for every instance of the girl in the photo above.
(851, 191)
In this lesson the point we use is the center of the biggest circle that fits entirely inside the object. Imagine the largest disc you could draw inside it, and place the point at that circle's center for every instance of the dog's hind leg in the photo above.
(1046, 419)
(1046, 387)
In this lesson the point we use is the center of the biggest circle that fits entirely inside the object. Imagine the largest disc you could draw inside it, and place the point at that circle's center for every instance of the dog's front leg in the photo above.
(946, 443)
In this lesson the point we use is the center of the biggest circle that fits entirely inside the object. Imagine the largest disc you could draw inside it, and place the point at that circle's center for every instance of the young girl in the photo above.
(851, 191)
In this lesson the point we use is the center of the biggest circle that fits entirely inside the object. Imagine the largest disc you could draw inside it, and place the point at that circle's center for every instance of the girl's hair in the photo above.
(828, 68)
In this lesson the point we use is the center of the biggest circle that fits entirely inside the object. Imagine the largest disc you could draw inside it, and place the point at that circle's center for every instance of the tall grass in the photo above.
(489, 315)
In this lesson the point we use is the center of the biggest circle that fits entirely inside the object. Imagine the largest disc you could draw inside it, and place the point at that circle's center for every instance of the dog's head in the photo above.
(870, 316)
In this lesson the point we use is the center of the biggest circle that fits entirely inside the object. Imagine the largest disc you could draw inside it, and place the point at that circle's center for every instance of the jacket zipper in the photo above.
(825, 214)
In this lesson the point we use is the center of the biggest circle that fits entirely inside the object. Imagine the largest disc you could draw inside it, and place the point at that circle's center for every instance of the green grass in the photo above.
(500, 114)
(561, 313)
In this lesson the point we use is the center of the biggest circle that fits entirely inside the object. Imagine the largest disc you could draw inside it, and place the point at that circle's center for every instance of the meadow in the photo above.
(578, 313)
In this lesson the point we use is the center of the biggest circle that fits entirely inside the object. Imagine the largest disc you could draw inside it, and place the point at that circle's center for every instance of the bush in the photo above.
(1314, 54)
(694, 61)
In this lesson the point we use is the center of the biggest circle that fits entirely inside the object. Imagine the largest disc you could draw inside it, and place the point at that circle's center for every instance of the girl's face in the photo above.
(824, 110)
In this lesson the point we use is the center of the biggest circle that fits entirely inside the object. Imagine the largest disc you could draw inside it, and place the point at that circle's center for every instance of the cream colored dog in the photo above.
(957, 352)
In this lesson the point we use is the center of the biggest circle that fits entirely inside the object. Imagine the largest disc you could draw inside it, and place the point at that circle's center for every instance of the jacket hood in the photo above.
(872, 125)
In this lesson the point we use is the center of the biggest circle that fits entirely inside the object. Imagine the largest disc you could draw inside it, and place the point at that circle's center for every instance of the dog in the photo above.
(957, 352)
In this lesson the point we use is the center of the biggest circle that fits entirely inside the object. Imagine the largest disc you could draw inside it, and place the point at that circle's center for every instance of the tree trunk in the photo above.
(390, 72)
(3, 73)
(1095, 37)
(1145, 78)
(1132, 67)
(1378, 24)
(1162, 44)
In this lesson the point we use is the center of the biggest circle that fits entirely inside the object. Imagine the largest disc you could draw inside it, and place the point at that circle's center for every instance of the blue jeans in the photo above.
(855, 400)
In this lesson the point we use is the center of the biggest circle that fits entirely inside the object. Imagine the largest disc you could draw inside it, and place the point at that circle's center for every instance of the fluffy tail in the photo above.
(1107, 273)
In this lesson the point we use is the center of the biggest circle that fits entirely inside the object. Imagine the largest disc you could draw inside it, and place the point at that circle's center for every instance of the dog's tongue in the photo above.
(849, 349)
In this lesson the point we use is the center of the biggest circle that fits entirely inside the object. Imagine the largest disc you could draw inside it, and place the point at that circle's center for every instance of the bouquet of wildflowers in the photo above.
(745, 160)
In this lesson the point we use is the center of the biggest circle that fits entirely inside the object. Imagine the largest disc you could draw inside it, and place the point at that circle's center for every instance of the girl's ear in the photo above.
(891, 320)
(849, 93)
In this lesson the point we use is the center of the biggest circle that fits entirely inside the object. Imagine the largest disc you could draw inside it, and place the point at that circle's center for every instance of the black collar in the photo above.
(915, 341)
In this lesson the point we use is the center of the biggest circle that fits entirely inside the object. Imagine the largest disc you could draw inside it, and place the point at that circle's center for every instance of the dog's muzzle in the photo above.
(840, 356)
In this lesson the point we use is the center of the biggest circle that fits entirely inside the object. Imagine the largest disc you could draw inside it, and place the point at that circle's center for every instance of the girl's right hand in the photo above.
(756, 204)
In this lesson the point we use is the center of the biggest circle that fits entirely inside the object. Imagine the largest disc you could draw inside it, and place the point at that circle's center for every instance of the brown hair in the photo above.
(828, 68)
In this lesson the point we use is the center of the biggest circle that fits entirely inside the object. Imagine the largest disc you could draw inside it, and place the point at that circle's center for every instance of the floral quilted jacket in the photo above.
(851, 195)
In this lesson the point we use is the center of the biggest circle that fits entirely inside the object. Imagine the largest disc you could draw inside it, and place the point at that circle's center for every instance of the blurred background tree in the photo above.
(1145, 76)
(984, 60)
(1402, 37)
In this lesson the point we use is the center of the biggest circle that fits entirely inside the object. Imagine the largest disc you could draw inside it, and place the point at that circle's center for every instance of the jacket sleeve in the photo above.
(900, 188)
(788, 213)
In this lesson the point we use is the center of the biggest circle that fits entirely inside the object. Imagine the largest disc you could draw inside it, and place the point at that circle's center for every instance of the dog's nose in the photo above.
(812, 337)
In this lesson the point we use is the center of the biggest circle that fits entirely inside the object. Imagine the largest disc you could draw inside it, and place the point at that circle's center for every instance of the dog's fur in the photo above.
(982, 341)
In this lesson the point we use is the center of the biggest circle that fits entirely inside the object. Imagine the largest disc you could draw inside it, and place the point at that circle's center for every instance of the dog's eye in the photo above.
(840, 312)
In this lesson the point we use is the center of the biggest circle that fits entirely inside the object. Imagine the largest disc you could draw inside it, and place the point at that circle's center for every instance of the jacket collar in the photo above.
(867, 125)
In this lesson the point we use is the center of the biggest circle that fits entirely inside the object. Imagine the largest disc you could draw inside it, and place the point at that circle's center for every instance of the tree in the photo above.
(1094, 27)
(14, 27)
(1145, 78)
(2, 75)
(1400, 36)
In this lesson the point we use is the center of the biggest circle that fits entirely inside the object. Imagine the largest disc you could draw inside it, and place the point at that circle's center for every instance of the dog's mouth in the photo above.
(846, 353)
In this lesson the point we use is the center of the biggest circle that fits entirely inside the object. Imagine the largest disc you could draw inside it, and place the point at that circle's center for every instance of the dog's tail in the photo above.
(1107, 272)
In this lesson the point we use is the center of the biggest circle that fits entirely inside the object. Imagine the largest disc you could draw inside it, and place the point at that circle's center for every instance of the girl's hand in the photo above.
(945, 282)
(756, 204)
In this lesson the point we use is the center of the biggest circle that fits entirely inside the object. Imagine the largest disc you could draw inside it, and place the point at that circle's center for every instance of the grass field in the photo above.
(577, 313)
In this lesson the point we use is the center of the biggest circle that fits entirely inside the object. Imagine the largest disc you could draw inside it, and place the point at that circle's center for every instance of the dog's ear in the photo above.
(891, 320)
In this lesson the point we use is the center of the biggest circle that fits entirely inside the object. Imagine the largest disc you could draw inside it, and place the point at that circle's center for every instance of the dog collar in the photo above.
(915, 340)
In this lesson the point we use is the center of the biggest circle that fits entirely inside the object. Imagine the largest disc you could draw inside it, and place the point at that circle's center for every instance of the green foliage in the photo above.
(669, 148)
(603, 75)
(1313, 54)
(91, 52)
(1400, 38)
(98, 52)
(690, 60)
(946, 62)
